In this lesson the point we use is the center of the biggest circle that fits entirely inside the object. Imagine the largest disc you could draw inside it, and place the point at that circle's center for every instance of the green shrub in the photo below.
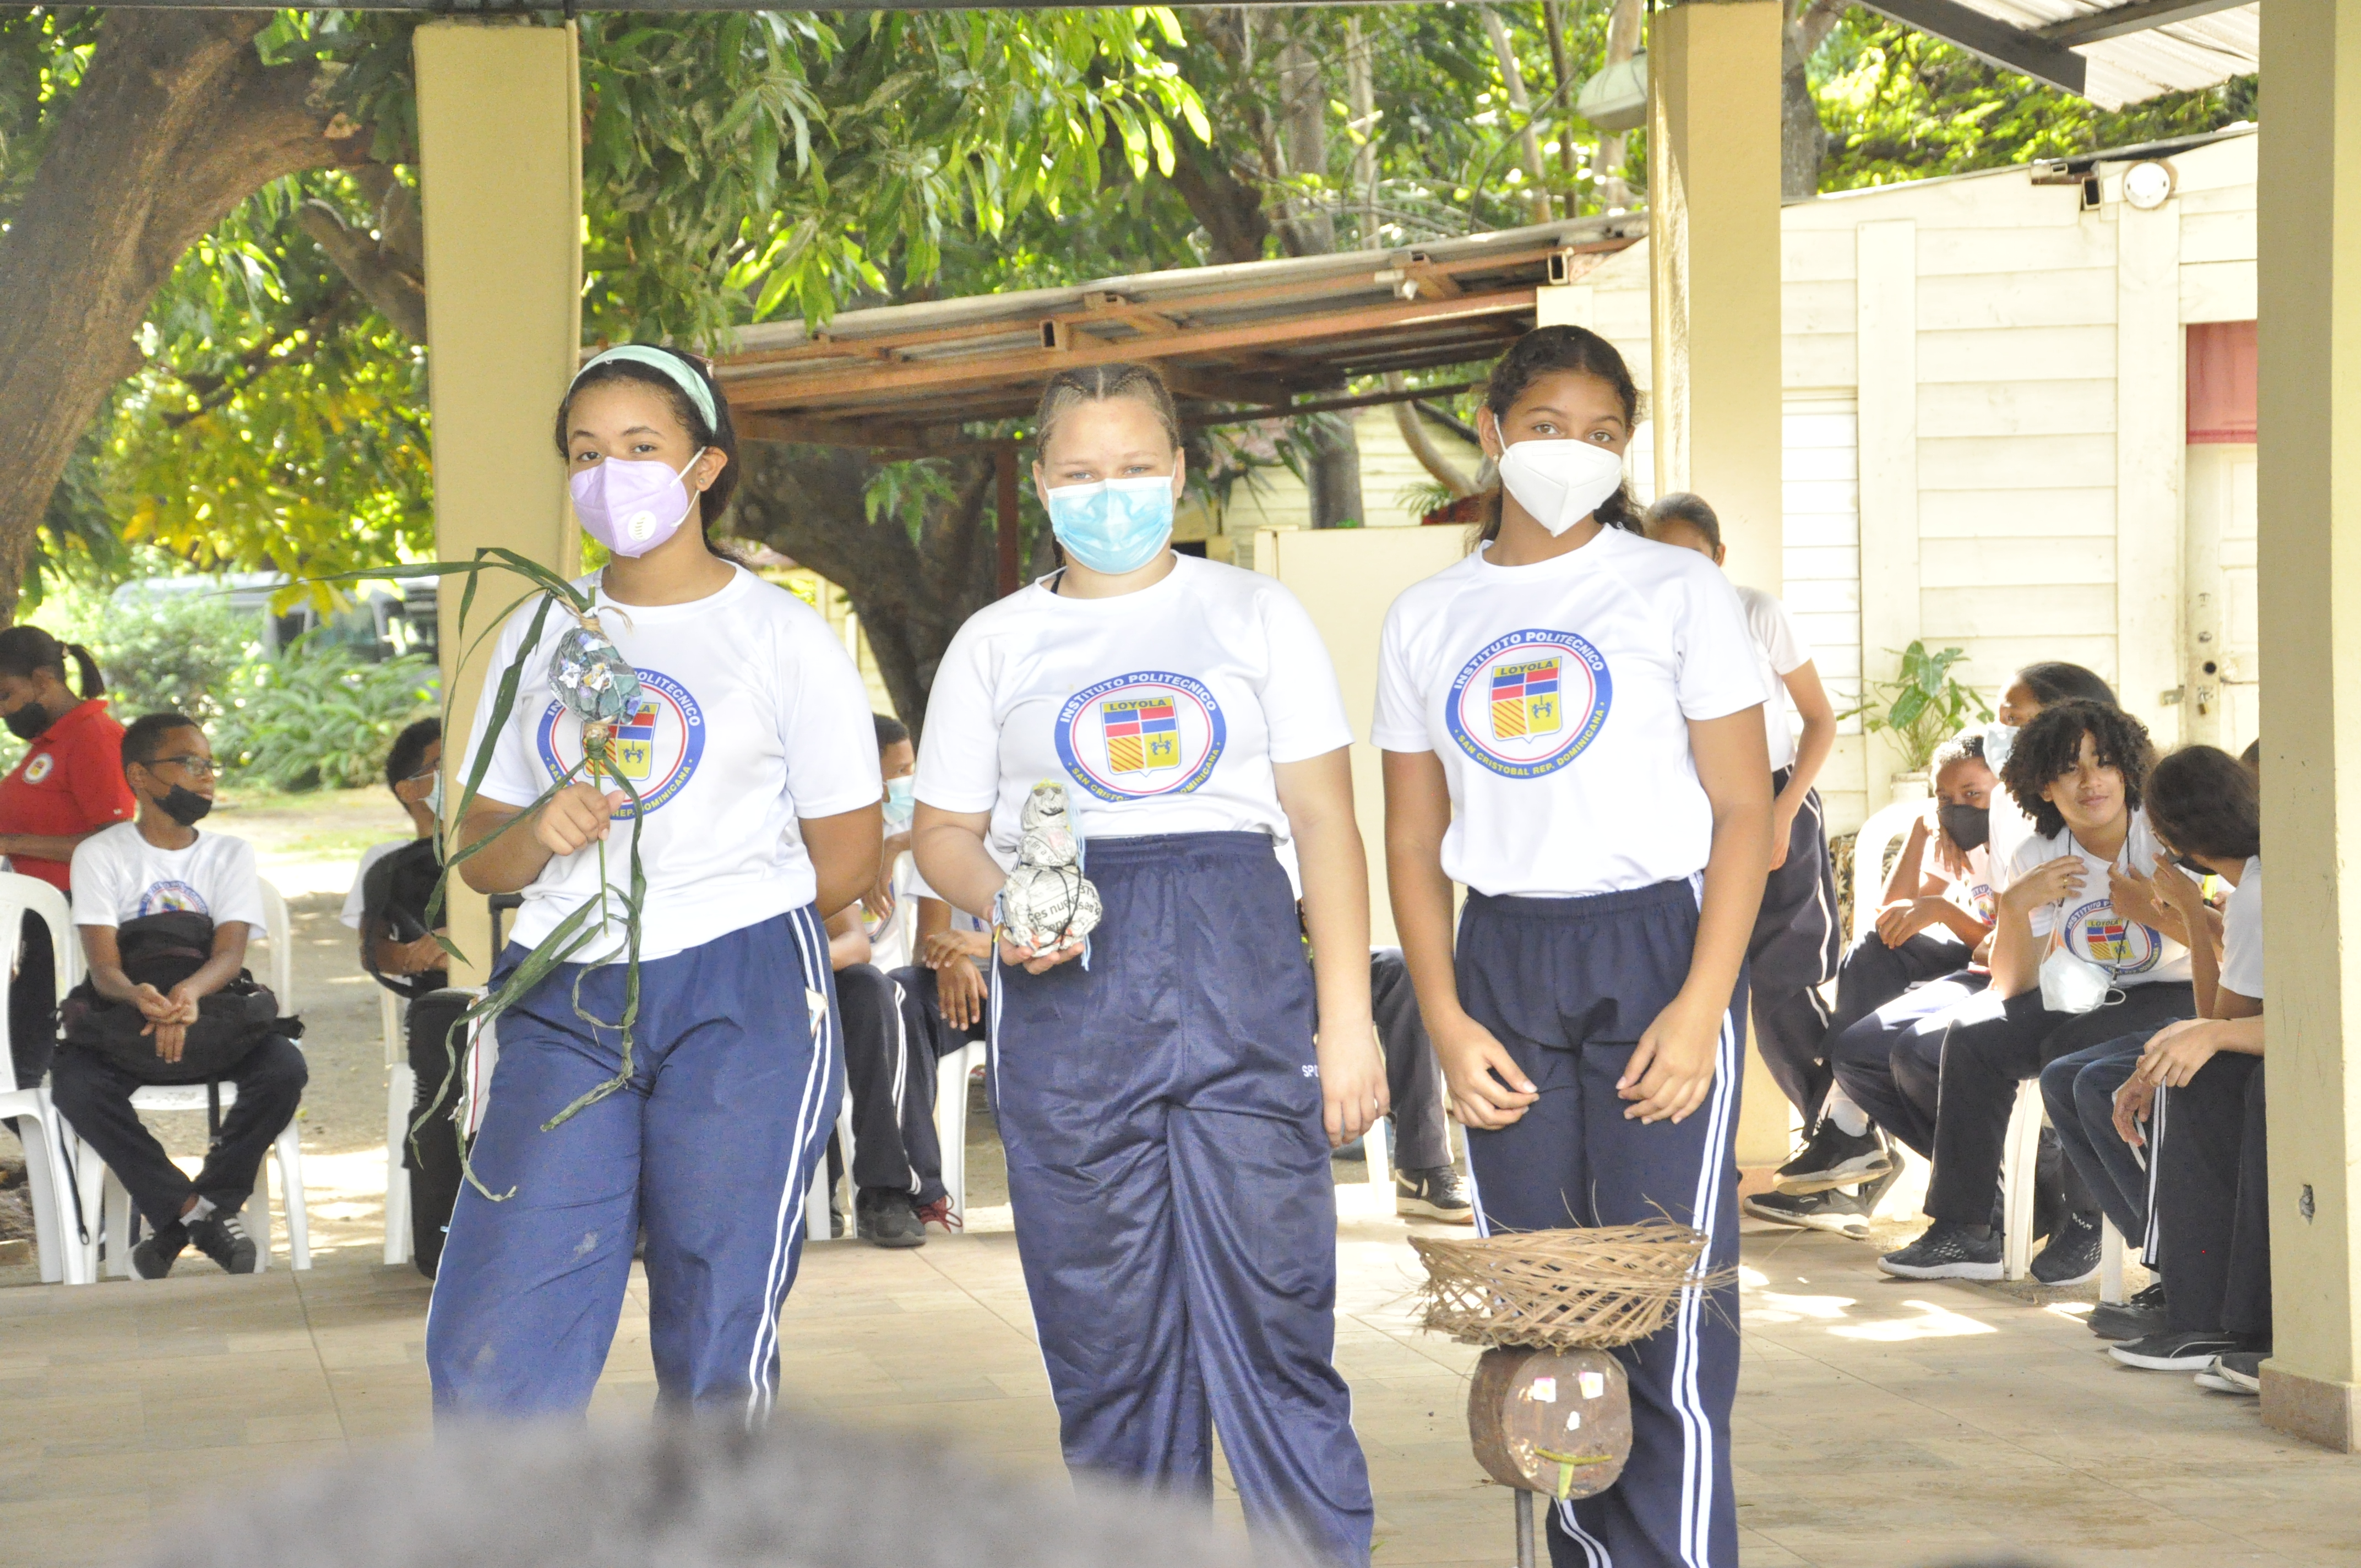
(168, 651)
(318, 718)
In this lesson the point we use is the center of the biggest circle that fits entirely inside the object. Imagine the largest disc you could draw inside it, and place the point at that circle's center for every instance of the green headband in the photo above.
(683, 375)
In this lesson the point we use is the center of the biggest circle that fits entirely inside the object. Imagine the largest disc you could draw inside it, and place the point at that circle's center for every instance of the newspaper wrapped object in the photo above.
(1048, 903)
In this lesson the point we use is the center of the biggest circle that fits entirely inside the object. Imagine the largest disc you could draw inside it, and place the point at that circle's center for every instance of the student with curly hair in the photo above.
(2070, 968)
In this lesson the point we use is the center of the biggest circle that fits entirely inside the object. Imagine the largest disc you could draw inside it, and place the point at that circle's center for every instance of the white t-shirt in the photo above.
(2241, 934)
(1161, 711)
(890, 938)
(351, 914)
(1558, 696)
(2094, 932)
(1972, 892)
(1783, 651)
(751, 715)
(118, 875)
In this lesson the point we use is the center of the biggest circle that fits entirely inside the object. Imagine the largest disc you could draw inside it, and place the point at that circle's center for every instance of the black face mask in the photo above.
(27, 722)
(184, 805)
(1967, 825)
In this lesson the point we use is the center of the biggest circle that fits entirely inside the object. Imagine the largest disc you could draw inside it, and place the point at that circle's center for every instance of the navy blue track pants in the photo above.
(734, 1087)
(1169, 1173)
(1568, 985)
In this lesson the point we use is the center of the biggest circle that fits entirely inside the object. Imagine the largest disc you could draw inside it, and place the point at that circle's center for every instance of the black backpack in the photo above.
(394, 897)
(162, 950)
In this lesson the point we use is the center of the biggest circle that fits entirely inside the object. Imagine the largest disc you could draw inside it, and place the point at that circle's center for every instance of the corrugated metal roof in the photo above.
(2174, 57)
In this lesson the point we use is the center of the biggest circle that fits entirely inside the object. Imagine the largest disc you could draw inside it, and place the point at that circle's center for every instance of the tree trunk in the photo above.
(1303, 138)
(1803, 141)
(176, 121)
(911, 594)
(1361, 99)
(1623, 43)
(1422, 445)
(1504, 50)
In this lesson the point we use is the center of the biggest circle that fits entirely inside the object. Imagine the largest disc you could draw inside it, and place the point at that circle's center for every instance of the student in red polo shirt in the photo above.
(68, 785)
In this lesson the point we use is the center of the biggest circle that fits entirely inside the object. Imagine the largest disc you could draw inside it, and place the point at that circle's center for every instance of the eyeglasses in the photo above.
(197, 767)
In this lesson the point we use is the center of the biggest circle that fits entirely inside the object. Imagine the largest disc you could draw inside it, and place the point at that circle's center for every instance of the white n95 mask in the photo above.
(2069, 984)
(1560, 482)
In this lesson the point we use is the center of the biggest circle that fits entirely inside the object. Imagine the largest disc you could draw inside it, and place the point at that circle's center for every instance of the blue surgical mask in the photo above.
(1116, 525)
(899, 800)
(434, 797)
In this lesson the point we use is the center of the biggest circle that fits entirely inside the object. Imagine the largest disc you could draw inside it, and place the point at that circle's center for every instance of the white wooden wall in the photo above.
(1984, 443)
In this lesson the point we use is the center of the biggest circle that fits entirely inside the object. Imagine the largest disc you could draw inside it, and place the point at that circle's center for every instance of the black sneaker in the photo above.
(2211, 1379)
(2188, 1350)
(153, 1257)
(223, 1238)
(1433, 1193)
(2241, 1369)
(1835, 1158)
(1844, 1213)
(888, 1218)
(2073, 1255)
(1945, 1252)
(2137, 1319)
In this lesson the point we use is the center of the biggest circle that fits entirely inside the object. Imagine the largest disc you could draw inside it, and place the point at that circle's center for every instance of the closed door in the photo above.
(2224, 690)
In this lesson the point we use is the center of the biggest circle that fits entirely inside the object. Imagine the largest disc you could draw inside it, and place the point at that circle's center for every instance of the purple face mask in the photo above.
(631, 506)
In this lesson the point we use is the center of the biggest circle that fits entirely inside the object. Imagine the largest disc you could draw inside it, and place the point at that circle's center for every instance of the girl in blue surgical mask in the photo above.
(1169, 1096)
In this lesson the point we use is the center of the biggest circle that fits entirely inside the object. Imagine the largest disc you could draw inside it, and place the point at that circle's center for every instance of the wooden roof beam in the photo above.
(913, 376)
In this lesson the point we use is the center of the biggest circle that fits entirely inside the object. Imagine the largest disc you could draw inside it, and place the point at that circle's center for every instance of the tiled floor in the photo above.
(1879, 1423)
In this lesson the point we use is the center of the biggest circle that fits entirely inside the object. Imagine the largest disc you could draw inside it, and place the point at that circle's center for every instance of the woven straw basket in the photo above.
(1585, 1288)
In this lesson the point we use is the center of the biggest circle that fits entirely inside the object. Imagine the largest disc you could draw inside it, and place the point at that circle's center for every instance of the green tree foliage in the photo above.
(1900, 105)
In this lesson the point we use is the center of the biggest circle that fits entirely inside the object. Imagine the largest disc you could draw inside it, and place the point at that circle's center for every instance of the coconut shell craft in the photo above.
(1549, 1410)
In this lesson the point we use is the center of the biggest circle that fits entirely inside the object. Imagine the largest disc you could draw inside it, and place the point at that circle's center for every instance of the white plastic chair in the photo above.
(2020, 1159)
(47, 1165)
(1885, 825)
(951, 1074)
(400, 1086)
(815, 1219)
(104, 1198)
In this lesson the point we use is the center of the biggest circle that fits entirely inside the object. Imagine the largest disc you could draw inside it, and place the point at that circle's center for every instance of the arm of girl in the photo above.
(1671, 1067)
(1487, 1088)
(578, 814)
(844, 851)
(2179, 892)
(1812, 748)
(1317, 795)
(2016, 951)
(949, 848)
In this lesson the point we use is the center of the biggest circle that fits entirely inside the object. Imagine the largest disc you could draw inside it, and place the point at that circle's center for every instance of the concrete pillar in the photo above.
(2308, 232)
(499, 134)
(1713, 242)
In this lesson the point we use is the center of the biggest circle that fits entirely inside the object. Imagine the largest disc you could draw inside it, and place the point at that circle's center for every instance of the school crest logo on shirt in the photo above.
(172, 897)
(1529, 703)
(1151, 732)
(2096, 932)
(40, 767)
(657, 745)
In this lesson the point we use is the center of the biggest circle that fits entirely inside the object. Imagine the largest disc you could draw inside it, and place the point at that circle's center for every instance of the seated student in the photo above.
(1894, 1075)
(2212, 799)
(396, 878)
(2198, 1087)
(2069, 969)
(2031, 689)
(1919, 960)
(1427, 1185)
(159, 865)
(67, 786)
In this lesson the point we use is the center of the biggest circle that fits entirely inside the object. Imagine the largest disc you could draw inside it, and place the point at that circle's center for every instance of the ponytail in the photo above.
(93, 683)
(25, 648)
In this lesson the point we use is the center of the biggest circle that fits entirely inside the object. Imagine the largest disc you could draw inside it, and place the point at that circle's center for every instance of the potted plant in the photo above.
(1920, 708)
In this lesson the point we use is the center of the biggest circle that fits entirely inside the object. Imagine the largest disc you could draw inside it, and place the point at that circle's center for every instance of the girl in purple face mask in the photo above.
(752, 767)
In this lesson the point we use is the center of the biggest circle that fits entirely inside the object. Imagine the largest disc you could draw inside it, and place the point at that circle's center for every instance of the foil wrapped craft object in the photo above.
(591, 676)
(1048, 901)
